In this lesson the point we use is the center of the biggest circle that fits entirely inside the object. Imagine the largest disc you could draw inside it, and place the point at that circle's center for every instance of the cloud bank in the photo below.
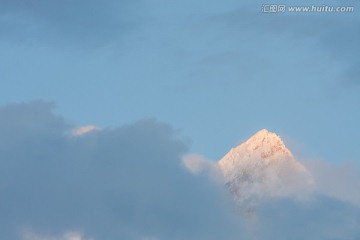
(129, 183)
(125, 182)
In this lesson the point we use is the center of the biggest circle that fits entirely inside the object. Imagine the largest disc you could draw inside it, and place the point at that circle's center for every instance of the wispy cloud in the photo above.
(339, 181)
(81, 22)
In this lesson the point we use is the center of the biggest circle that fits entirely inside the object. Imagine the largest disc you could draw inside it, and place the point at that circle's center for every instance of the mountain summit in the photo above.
(265, 143)
(263, 167)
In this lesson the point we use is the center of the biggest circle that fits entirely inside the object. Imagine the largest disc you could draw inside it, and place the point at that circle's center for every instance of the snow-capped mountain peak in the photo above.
(263, 166)
(264, 146)
(266, 143)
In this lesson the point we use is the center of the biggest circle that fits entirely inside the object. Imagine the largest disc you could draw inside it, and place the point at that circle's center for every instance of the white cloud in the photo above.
(196, 163)
(83, 130)
(70, 235)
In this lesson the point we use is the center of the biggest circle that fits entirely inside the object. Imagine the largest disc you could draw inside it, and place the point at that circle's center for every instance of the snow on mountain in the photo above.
(263, 167)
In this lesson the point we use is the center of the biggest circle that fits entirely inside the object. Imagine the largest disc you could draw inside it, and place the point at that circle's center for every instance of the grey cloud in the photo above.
(27, 122)
(321, 218)
(125, 182)
(129, 183)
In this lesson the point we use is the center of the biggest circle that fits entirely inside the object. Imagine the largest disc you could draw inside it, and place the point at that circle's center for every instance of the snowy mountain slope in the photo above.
(263, 167)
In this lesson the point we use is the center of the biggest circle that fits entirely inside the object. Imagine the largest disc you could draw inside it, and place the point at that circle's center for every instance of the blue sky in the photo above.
(199, 76)
(218, 71)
